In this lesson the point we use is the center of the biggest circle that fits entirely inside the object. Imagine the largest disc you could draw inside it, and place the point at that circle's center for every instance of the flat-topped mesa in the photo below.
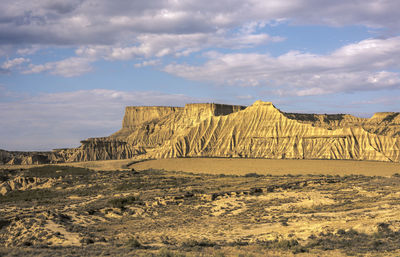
(258, 131)
(206, 110)
(135, 115)
(384, 123)
(262, 103)
(329, 121)
(220, 130)
(389, 117)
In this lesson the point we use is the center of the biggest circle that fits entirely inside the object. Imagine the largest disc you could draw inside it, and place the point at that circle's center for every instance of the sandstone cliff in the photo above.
(262, 131)
(257, 131)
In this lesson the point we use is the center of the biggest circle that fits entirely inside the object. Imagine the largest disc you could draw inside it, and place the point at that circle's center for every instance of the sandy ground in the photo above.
(238, 166)
(273, 167)
(93, 165)
(119, 212)
(101, 165)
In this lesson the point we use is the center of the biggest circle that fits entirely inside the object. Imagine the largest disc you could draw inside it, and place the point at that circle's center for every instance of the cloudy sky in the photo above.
(68, 68)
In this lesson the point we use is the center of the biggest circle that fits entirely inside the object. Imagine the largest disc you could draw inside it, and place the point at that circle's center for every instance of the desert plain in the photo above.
(201, 207)
(210, 180)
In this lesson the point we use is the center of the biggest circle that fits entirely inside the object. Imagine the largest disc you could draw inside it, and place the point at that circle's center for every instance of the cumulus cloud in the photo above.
(122, 30)
(69, 67)
(105, 22)
(371, 64)
(148, 46)
(28, 50)
(36, 122)
(148, 63)
(160, 45)
(13, 62)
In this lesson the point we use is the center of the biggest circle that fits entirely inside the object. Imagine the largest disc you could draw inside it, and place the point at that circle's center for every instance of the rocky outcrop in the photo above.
(25, 183)
(381, 123)
(262, 131)
(24, 158)
(94, 149)
(257, 131)
(164, 123)
(384, 123)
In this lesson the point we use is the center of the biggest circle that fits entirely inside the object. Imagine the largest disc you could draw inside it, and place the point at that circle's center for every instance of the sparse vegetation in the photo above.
(123, 201)
(286, 245)
(204, 242)
(133, 242)
(169, 213)
(252, 175)
(29, 195)
(55, 171)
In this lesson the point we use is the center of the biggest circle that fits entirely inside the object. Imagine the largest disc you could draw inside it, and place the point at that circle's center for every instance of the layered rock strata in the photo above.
(256, 131)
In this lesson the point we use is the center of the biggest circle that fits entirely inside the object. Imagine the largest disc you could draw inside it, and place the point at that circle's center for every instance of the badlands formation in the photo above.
(115, 208)
(216, 130)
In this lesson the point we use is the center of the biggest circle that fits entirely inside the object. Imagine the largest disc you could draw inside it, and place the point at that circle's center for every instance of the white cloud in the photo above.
(102, 22)
(371, 64)
(70, 67)
(148, 63)
(245, 97)
(28, 50)
(13, 63)
(63, 119)
(160, 45)
(148, 46)
(157, 28)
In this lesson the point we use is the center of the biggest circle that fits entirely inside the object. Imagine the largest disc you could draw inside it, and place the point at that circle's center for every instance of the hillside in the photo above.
(257, 131)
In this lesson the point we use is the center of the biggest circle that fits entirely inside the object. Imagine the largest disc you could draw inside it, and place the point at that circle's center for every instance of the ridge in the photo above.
(220, 130)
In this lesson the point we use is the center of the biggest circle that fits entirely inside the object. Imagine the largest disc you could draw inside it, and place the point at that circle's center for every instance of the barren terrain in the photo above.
(242, 166)
(61, 210)
(225, 131)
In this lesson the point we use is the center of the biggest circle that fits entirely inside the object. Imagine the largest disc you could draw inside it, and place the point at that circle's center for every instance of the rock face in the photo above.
(256, 131)
(25, 158)
(260, 131)
(25, 183)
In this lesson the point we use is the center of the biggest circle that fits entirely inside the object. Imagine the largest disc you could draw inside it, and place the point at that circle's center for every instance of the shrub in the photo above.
(123, 201)
(29, 195)
(201, 243)
(252, 175)
(286, 245)
(51, 171)
(133, 242)
(255, 191)
(4, 223)
(168, 253)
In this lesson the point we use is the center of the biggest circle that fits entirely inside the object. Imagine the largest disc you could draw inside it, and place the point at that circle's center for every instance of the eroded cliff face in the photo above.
(217, 130)
(381, 123)
(164, 123)
(94, 149)
(24, 158)
(147, 128)
(262, 131)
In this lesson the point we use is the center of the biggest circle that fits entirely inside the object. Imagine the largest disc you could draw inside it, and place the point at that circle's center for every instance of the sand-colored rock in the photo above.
(216, 130)
(262, 131)
(25, 183)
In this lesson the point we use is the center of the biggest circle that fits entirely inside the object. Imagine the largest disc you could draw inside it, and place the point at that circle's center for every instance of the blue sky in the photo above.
(68, 68)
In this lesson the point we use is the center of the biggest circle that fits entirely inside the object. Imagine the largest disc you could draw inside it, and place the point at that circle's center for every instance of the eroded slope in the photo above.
(216, 130)
(262, 131)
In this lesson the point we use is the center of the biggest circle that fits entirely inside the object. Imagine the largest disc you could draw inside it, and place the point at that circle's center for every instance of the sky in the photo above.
(68, 68)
